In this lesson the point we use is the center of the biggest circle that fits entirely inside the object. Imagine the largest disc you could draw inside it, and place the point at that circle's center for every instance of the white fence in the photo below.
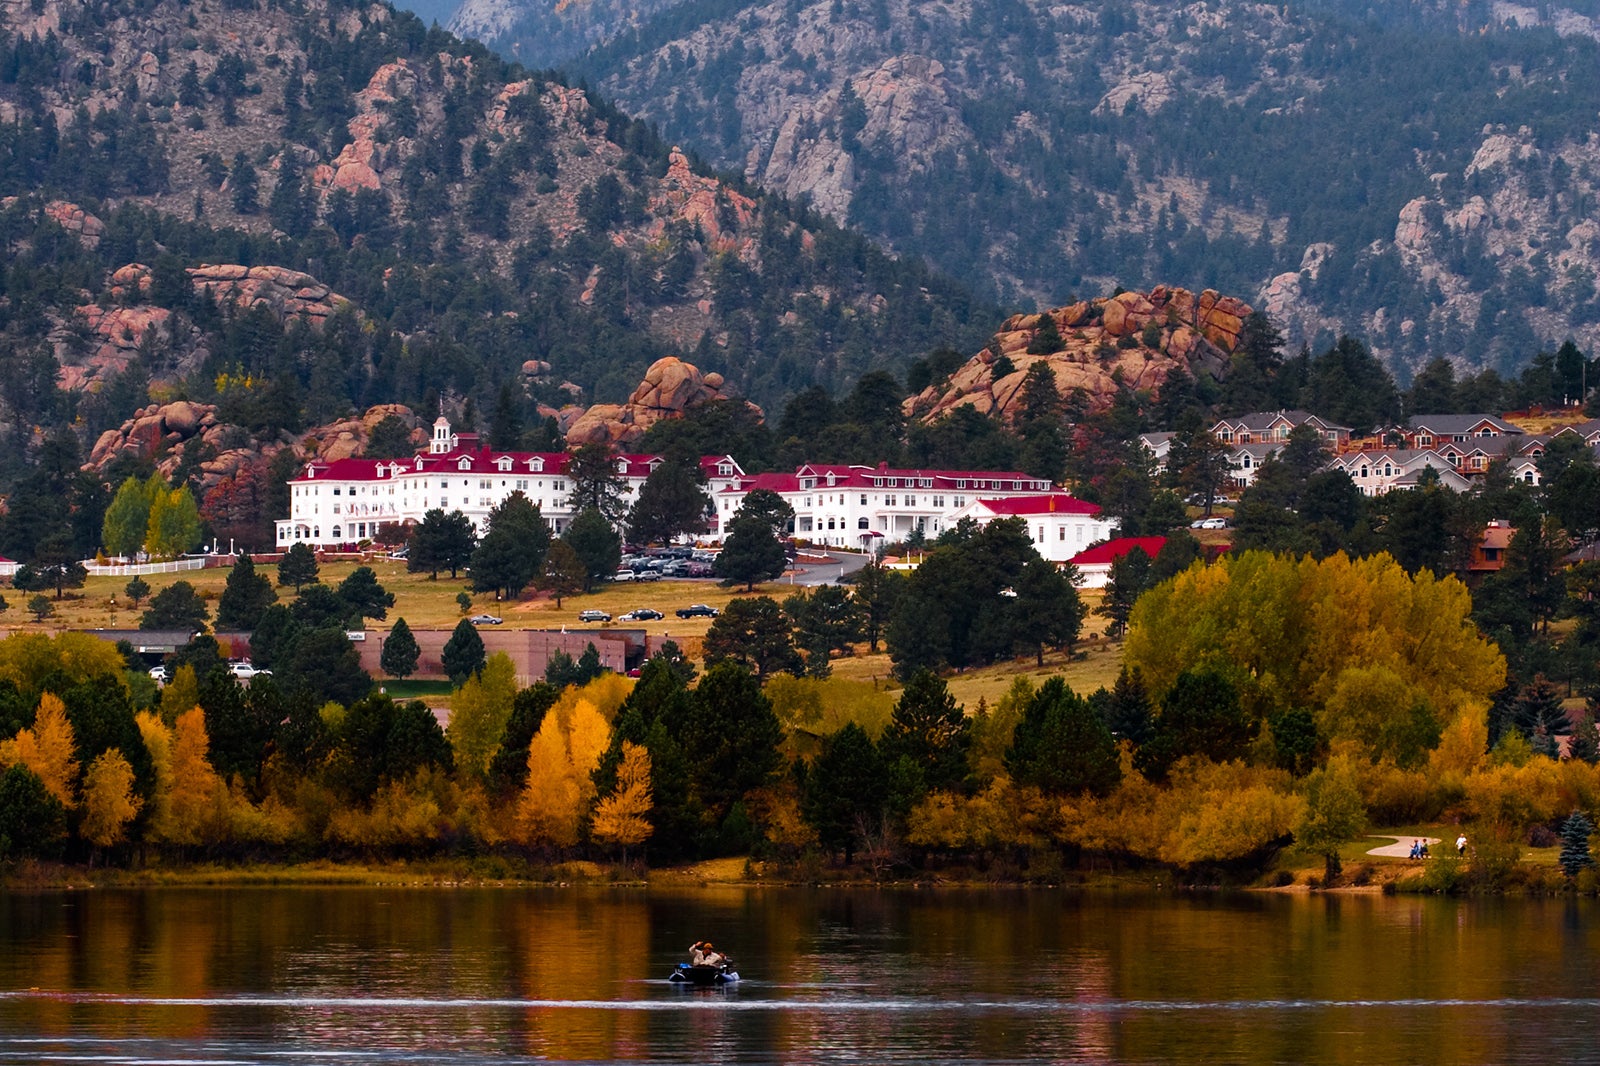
(132, 569)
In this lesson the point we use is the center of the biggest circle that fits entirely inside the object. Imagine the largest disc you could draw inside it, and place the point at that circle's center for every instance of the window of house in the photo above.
(861, 523)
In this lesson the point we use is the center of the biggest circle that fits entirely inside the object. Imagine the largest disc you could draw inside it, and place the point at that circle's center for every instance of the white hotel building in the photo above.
(846, 506)
(342, 503)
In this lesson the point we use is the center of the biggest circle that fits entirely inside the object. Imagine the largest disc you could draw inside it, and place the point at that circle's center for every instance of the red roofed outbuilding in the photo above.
(1059, 524)
(1094, 564)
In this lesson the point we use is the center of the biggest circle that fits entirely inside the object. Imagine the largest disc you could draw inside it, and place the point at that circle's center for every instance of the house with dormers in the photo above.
(344, 502)
(1268, 427)
(1378, 472)
(1436, 431)
(1245, 460)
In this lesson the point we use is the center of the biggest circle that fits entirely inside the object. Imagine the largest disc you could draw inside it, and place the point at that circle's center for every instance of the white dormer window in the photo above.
(536, 465)
(622, 466)
(504, 463)
(830, 481)
(464, 464)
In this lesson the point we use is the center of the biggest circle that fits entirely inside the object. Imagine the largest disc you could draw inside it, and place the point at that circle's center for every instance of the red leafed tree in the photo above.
(236, 507)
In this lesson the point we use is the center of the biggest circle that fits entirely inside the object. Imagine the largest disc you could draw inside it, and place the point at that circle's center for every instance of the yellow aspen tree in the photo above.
(479, 711)
(108, 800)
(197, 800)
(547, 811)
(561, 757)
(620, 818)
(47, 749)
(158, 742)
(181, 693)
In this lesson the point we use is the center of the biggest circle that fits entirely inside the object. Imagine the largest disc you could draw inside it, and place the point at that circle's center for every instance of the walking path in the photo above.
(1400, 849)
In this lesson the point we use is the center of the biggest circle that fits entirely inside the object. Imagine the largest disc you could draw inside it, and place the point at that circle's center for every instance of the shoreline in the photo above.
(1386, 878)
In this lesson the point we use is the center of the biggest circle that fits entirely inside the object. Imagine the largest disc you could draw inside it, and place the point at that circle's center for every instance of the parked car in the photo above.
(647, 575)
(485, 620)
(641, 614)
(625, 575)
(698, 610)
(593, 614)
(1209, 523)
(158, 674)
(244, 671)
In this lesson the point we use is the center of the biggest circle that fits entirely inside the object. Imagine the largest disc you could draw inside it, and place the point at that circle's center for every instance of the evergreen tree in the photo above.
(1128, 709)
(755, 634)
(596, 482)
(244, 185)
(930, 731)
(178, 606)
(400, 652)
(564, 573)
(594, 540)
(363, 597)
(1575, 853)
(733, 737)
(298, 566)
(511, 554)
(463, 654)
(750, 553)
(1200, 715)
(136, 590)
(441, 542)
(1046, 338)
(1062, 746)
(244, 597)
(671, 501)
(845, 787)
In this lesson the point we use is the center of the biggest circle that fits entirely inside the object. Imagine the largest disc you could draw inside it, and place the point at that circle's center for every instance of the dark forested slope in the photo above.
(1423, 174)
(298, 209)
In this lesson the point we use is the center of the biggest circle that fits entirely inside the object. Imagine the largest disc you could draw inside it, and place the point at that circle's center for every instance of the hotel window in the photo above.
(889, 501)
(861, 523)
(863, 499)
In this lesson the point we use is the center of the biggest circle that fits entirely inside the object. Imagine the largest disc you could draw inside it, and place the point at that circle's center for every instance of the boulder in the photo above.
(670, 387)
(1108, 346)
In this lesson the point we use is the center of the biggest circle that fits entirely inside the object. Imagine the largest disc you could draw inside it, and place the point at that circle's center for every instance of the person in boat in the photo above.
(697, 953)
(713, 957)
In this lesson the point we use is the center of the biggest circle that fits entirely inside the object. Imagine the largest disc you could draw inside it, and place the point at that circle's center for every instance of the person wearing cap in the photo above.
(712, 957)
(697, 954)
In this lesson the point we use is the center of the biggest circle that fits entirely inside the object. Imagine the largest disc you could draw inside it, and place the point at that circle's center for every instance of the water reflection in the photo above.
(254, 975)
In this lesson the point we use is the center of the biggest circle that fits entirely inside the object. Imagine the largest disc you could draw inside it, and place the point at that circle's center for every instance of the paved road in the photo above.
(838, 565)
(1401, 849)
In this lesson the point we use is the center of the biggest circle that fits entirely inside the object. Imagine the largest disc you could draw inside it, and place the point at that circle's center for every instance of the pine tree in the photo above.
(298, 566)
(564, 573)
(400, 652)
(1062, 746)
(463, 653)
(1575, 834)
(245, 596)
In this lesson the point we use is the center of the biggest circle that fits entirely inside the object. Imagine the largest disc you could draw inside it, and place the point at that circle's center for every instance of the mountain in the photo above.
(1421, 174)
(298, 209)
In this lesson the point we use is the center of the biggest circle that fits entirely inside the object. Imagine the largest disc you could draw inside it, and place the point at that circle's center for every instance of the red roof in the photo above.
(1054, 503)
(770, 482)
(1112, 550)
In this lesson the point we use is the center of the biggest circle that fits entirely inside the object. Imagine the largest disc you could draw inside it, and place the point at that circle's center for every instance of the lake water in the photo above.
(372, 975)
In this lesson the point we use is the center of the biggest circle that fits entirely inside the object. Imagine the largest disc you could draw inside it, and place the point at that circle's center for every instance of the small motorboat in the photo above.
(688, 973)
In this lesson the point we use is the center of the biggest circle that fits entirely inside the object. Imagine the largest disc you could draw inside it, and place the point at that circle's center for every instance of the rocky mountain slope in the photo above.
(1422, 174)
(1095, 350)
(296, 212)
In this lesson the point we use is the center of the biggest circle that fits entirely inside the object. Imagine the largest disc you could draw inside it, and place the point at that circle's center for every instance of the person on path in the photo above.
(1461, 844)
